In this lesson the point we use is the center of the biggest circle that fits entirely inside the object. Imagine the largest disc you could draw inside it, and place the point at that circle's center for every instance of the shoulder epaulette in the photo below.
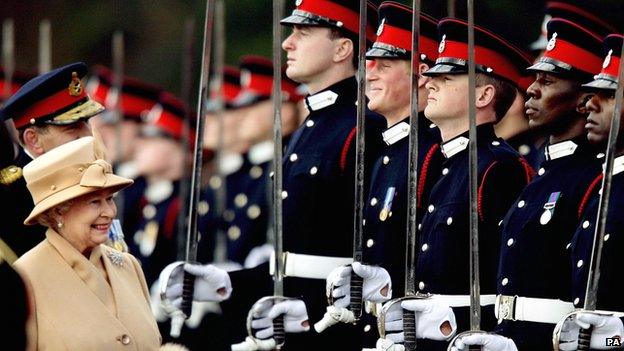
(10, 174)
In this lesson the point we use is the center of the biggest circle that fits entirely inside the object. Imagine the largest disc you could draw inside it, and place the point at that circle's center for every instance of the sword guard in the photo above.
(381, 317)
(466, 333)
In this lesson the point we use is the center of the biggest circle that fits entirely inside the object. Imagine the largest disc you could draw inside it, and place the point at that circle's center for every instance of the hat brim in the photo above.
(295, 19)
(377, 52)
(113, 182)
(85, 110)
(600, 84)
(445, 68)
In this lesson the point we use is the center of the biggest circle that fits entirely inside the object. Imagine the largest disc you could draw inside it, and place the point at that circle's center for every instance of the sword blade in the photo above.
(45, 46)
(117, 83)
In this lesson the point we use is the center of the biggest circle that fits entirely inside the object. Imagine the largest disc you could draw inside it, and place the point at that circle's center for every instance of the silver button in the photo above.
(576, 301)
(600, 155)
(445, 171)
(505, 281)
(521, 204)
(541, 171)
(149, 211)
(373, 201)
(585, 224)
(215, 182)
(425, 247)
(579, 264)
(500, 223)
(313, 170)
(496, 143)
(432, 125)
(431, 208)
(568, 246)
(510, 242)
(606, 237)
(421, 285)
(229, 215)
(240, 200)
(310, 123)
(293, 157)
(255, 172)
(420, 226)
(524, 150)
(284, 194)
(253, 211)
(124, 339)
(386, 160)
(203, 208)
(234, 232)
(367, 328)
(370, 243)
(449, 221)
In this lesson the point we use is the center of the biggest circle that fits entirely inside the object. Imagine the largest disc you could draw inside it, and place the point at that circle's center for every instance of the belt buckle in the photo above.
(506, 308)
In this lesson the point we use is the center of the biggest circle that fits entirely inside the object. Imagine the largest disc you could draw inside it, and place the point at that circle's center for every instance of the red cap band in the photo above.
(170, 123)
(574, 56)
(402, 38)
(483, 56)
(134, 106)
(50, 104)
(350, 19)
(260, 84)
(612, 67)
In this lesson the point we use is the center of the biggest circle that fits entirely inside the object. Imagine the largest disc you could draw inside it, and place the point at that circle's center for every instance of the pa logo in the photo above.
(614, 341)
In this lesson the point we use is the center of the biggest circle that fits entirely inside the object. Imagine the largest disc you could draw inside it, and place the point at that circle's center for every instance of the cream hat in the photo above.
(67, 172)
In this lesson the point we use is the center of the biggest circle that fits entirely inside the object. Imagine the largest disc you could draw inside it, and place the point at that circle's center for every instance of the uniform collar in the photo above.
(261, 152)
(618, 165)
(230, 163)
(561, 149)
(485, 133)
(396, 132)
(343, 91)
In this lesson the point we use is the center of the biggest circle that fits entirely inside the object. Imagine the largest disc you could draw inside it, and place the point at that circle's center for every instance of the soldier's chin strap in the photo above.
(334, 315)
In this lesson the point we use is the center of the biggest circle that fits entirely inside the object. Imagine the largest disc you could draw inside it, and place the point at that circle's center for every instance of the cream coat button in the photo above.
(124, 339)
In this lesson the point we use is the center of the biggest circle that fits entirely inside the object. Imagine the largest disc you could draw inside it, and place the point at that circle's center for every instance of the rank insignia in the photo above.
(75, 87)
(442, 45)
(381, 27)
(549, 208)
(552, 42)
(607, 59)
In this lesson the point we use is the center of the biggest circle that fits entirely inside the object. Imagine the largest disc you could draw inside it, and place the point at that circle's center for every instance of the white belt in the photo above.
(531, 309)
(463, 300)
(309, 266)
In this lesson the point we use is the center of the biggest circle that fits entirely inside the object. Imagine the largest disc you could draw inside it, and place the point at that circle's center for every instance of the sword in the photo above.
(355, 304)
(593, 278)
(118, 71)
(450, 8)
(185, 93)
(409, 318)
(8, 55)
(45, 46)
(191, 242)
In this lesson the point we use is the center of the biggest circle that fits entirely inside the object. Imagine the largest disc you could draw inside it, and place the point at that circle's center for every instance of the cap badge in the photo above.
(298, 2)
(381, 27)
(442, 44)
(552, 42)
(245, 78)
(607, 60)
(75, 87)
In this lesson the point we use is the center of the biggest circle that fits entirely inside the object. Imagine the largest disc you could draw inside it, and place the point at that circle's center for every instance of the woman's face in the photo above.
(88, 220)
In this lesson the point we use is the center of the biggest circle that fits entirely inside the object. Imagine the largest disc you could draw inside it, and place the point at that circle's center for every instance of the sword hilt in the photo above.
(355, 304)
(409, 330)
(188, 288)
(584, 338)
(279, 334)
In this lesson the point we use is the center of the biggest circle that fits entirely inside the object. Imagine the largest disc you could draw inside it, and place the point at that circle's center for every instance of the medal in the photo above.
(387, 205)
(148, 239)
(549, 208)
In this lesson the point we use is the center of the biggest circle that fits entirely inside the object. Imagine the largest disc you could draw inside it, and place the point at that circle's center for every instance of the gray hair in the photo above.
(47, 219)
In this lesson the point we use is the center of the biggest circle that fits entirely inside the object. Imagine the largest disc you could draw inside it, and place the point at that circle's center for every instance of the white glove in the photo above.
(388, 345)
(251, 344)
(295, 317)
(376, 279)
(604, 327)
(488, 342)
(258, 255)
(430, 315)
(211, 283)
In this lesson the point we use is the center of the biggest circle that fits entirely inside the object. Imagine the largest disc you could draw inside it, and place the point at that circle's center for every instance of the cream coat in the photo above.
(87, 304)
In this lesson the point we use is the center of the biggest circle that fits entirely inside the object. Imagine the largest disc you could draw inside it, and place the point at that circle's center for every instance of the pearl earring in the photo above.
(59, 225)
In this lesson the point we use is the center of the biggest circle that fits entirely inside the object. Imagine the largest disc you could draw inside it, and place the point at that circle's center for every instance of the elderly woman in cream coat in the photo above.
(87, 296)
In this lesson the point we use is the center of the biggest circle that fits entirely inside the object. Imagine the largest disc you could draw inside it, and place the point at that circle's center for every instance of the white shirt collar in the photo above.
(261, 153)
(396, 133)
(158, 191)
(321, 100)
(230, 163)
(618, 165)
(558, 150)
(455, 146)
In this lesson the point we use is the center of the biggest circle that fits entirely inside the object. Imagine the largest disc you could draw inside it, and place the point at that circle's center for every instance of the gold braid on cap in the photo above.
(10, 174)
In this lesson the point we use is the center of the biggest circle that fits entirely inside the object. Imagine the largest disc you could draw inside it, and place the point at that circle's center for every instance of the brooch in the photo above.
(116, 258)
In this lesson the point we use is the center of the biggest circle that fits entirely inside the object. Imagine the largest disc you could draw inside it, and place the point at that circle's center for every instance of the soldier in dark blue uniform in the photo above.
(46, 114)
(442, 267)
(533, 278)
(601, 109)
(153, 241)
(385, 213)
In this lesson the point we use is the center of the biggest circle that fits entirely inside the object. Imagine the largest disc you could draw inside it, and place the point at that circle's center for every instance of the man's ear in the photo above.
(581, 103)
(32, 142)
(485, 95)
(344, 50)
(422, 80)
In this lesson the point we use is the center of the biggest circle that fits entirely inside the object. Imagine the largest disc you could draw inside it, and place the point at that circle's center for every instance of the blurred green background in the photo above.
(82, 30)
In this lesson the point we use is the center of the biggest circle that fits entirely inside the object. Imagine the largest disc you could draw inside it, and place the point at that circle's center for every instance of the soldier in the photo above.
(601, 108)
(137, 98)
(442, 266)
(533, 281)
(161, 159)
(48, 111)
(385, 213)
